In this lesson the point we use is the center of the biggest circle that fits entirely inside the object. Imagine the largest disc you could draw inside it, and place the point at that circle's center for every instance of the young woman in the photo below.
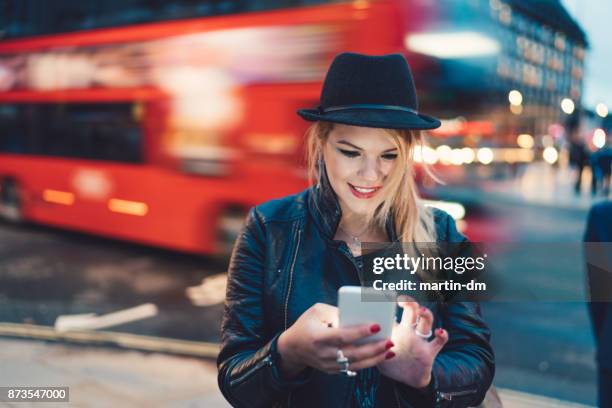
(281, 342)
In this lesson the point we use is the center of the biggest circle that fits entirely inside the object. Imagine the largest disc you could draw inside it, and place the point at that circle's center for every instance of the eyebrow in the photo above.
(359, 148)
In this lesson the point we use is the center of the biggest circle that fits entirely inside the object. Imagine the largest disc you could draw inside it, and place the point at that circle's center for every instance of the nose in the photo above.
(369, 170)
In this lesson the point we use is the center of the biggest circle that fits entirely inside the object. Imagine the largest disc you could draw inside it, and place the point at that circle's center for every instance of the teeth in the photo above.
(364, 190)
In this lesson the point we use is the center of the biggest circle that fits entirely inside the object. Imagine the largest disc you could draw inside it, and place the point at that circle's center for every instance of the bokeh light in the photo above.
(485, 155)
(525, 141)
(599, 138)
(550, 155)
(567, 106)
(515, 97)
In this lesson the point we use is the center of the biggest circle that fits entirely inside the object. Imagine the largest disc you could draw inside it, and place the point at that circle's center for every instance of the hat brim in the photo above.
(386, 119)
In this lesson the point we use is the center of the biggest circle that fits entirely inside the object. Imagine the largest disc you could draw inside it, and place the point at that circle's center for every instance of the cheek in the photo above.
(387, 167)
(339, 169)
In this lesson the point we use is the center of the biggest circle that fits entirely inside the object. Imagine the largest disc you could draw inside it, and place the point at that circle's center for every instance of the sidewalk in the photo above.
(537, 184)
(102, 377)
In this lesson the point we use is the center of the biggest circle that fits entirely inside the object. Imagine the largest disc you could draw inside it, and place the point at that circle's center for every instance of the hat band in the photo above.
(368, 106)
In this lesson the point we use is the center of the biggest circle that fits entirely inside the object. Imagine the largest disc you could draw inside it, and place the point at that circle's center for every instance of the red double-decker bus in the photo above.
(162, 122)
(165, 132)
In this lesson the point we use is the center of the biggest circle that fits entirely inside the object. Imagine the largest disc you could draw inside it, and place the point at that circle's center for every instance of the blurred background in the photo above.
(136, 134)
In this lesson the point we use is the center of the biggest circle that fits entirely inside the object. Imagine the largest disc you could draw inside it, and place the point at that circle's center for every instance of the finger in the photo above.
(327, 353)
(326, 360)
(366, 351)
(425, 321)
(371, 362)
(439, 341)
(405, 298)
(410, 312)
(346, 335)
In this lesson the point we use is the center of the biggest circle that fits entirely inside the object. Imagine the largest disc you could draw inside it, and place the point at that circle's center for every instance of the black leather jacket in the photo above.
(284, 261)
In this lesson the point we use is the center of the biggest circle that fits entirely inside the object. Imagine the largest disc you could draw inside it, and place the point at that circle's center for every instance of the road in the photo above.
(541, 347)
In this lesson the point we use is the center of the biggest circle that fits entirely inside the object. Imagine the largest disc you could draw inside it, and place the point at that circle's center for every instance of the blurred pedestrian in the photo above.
(601, 163)
(280, 346)
(578, 159)
(598, 253)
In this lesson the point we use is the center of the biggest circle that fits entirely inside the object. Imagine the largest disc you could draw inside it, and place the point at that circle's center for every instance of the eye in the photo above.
(389, 156)
(349, 153)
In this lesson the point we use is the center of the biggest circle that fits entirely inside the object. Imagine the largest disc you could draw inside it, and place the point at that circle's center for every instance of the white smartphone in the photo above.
(359, 305)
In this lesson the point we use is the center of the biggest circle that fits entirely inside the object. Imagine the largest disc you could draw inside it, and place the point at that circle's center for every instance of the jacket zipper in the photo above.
(448, 396)
(266, 361)
(297, 248)
(396, 397)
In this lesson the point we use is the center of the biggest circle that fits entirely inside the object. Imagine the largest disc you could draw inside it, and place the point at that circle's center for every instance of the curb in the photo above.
(517, 399)
(469, 196)
(123, 340)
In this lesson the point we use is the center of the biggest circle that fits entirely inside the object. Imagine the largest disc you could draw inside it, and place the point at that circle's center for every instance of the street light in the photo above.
(525, 141)
(550, 155)
(468, 155)
(484, 155)
(444, 154)
(602, 110)
(515, 97)
(567, 106)
(599, 138)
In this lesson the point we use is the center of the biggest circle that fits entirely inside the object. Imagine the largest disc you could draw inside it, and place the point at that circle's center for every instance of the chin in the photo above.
(357, 208)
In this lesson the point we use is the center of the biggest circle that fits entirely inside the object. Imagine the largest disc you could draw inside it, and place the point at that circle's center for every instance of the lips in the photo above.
(363, 192)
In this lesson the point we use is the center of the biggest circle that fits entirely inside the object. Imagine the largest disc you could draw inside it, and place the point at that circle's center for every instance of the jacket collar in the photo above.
(325, 209)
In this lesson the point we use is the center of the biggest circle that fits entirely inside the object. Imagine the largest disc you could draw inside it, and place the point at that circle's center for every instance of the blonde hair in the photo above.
(413, 221)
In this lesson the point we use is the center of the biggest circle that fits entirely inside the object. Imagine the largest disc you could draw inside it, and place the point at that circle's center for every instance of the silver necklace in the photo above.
(354, 240)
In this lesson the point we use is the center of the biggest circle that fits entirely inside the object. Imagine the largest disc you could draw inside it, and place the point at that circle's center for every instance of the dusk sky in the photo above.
(595, 17)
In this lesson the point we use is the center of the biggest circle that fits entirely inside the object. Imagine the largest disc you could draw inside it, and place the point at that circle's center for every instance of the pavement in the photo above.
(103, 377)
(536, 184)
(539, 183)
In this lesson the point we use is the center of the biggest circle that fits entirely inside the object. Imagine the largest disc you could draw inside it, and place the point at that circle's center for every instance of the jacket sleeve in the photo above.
(463, 370)
(248, 362)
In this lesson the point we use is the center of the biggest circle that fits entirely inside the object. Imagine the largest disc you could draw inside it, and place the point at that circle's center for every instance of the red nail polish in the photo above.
(389, 345)
(375, 328)
(422, 309)
(389, 355)
(439, 332)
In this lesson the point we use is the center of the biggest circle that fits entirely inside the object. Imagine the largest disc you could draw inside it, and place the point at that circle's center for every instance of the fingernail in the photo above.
(375, 328)
(439, 332)
(389, 345)
(422, 309)
(389, 355)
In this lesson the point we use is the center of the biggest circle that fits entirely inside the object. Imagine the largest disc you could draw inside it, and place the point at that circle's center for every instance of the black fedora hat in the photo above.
(370, 91)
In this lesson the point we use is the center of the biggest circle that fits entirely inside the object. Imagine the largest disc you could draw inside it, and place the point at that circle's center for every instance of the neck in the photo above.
(353, 224)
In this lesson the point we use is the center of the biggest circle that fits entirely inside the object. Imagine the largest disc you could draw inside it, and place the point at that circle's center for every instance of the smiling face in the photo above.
(358, 161)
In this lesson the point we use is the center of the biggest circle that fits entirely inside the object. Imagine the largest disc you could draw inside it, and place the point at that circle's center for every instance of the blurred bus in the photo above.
(162, 122)
(166, 132)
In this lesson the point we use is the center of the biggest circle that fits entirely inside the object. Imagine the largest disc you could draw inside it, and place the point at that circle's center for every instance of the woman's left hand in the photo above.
(414, 355)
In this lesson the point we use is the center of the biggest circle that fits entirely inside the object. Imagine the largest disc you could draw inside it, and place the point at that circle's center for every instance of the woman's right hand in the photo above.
(311, 342)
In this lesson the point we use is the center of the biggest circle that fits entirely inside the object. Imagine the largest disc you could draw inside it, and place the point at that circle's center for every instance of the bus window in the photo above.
(104, 131)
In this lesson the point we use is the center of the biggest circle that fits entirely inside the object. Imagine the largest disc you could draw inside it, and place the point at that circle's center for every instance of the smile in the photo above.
(363, 192)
